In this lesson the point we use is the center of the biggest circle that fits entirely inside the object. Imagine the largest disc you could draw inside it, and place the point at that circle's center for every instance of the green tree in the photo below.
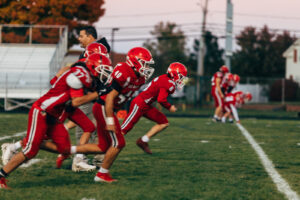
(213, 55)
(260, 53)
(168, 46)
(74, 13)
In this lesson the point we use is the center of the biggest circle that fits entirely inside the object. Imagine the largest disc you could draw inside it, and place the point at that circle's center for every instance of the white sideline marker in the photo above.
(281, 184)
(14, 135)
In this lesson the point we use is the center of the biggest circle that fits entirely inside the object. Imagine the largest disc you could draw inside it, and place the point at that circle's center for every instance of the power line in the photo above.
(198, 12)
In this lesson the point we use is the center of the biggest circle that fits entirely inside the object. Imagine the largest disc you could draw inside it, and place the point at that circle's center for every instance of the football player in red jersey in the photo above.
(128, 77)
(216, 91)
(157, 90)
(46, 116)
(232, 102)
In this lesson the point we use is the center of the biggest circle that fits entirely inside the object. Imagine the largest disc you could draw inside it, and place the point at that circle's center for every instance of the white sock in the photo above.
(216, 116)
(80, 156)
(17, 145)
(102, 170)
(73, 149)
(223, 119)
(145, 138)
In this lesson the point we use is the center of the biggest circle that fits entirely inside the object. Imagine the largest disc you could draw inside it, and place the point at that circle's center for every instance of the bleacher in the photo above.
(26, 69)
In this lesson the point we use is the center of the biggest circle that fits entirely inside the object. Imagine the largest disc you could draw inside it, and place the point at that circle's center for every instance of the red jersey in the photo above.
(227, 83)
(158, 89)
(233, 99)
(70, 84)
(126, 82)
(214, 79)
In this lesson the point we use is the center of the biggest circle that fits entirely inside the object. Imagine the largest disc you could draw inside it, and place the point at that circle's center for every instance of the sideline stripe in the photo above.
(14, 135)
(281, 184)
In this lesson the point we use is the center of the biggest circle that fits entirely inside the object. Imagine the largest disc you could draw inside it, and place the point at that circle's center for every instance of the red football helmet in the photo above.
(140, 58)
(236, 78)
(229, 76)
(224, 69)
(100, 67)
(178, 73)
(95, 48)
(248, 96)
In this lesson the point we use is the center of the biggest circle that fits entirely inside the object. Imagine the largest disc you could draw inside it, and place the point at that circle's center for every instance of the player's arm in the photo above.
(76, 91)
(218, 86)
(109, 109)
(162, 100)
(77, 101)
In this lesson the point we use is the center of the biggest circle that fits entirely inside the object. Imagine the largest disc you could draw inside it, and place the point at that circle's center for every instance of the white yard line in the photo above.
(30, 162)
(281, 184)
(14, 135)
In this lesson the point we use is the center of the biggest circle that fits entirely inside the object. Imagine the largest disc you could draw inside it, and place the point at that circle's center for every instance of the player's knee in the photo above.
(103, 147)
(30, 154)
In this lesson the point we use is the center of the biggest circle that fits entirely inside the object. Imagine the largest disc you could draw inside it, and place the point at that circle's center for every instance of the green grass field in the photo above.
(193, 159)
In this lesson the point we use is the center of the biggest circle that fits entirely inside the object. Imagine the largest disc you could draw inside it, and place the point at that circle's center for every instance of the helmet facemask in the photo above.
(104, 72)
(145, 70)
(180, 81)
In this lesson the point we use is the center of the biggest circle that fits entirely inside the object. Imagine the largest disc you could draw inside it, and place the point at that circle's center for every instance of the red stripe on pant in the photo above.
(38, 130)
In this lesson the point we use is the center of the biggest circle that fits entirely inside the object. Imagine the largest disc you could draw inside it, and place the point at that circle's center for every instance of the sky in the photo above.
(136, 18)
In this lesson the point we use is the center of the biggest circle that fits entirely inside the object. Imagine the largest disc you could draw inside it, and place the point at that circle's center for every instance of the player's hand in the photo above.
(111, 128)
(238, 122)
(173, 109)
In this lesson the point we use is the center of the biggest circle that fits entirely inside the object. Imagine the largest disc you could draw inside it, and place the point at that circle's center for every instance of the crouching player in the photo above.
(157, 90)
(232, 102)
(44, 119)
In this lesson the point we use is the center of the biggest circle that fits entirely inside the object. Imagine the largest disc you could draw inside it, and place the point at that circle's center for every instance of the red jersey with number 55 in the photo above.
(158, 89)
(70, 84)
(126, 82)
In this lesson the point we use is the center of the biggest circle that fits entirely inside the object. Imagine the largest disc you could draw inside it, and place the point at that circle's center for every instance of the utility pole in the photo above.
(228, 41)
(113, 30)
(201, 51)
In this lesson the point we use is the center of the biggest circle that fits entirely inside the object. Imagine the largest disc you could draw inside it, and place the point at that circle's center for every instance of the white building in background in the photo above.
(292, 66)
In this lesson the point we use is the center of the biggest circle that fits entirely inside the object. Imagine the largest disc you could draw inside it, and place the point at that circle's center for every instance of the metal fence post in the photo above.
(30, 35)
(0, 34)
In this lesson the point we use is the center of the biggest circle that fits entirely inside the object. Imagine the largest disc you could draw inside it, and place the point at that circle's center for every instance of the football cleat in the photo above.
(215, 119)
(7, 152)
(3, 184)
(81, 165)
(144, 146)
(60, 159)
(104, 177)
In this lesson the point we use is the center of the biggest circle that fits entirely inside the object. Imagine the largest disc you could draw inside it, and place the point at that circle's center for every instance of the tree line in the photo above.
(259, 52)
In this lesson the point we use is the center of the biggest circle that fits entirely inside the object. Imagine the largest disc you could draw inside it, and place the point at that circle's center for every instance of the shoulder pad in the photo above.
(73, 81)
